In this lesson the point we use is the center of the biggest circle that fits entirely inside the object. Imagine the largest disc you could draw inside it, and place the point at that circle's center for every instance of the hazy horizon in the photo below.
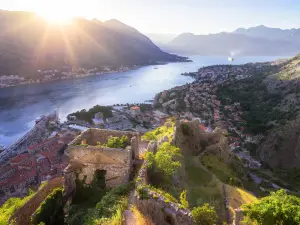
(172, 16)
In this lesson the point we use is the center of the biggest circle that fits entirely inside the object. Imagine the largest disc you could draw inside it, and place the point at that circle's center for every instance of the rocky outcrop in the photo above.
(192, 140)
(281, 148)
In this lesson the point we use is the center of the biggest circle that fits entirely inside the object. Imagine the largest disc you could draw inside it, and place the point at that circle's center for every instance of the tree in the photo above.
(279, 208)
(165, 159)
(205, 215)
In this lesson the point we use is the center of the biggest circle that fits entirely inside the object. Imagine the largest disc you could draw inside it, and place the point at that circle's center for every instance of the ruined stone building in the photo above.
(88, 156)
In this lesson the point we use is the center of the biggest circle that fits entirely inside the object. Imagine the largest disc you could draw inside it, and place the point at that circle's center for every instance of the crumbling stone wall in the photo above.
(86, 159)
(157, 208)
(163, 213)
(92, 136)
(23, 214)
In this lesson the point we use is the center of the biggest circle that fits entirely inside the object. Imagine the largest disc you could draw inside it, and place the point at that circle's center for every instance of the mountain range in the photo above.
(28, 43)
(259, 40)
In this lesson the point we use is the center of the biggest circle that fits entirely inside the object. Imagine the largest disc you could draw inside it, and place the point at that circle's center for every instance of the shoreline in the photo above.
(70, 78)
(90, 75)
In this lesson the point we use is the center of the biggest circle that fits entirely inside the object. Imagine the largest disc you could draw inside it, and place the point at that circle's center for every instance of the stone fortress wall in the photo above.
(92, 136)
(86, 159)
(157, 208)
(22, 215)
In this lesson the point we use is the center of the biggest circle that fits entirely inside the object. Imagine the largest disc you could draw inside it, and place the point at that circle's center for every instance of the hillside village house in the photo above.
(135, 111)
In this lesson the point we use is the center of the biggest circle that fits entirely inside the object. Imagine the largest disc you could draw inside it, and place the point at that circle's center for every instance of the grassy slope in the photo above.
(206, 185)
(238, 197)
(203, 178)
(202, 186)
(10, 206)
(291, 69)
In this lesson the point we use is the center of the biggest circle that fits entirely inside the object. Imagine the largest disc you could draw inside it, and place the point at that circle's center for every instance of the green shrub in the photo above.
(277, 209)
(185, 129)
(183, 200)
(160, 132)
(149, 136)
(50, 211)
(150, 159)
(204, 215)
(165, 159)
(90, 194)
(109, 210)
(143, 192)
(116, 142)
(10, 206)
(166, 195)
(89, 115)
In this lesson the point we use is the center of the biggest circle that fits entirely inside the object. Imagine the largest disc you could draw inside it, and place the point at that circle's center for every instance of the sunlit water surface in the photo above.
(21, 105)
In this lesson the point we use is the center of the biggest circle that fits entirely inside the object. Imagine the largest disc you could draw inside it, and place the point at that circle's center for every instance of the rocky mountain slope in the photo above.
(281, 146)
(27, 42)
(271, 102)
(258, 40)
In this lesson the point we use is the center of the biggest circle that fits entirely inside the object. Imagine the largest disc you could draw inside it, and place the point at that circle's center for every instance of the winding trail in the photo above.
(129, 216)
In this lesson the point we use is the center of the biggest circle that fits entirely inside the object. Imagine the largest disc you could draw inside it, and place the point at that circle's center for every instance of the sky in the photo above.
(172, 16)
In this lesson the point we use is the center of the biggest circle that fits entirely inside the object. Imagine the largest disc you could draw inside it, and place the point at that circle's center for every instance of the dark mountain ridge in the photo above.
(28, 43)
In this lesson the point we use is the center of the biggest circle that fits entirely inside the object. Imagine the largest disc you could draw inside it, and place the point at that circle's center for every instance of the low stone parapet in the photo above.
(22, 215)
(159, 209)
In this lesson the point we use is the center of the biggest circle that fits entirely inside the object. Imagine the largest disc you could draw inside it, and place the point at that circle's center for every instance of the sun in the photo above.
(55, 11)
(57, 18)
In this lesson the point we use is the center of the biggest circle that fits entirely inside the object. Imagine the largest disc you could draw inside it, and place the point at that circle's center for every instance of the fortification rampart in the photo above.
(22, 215)
(157, 207)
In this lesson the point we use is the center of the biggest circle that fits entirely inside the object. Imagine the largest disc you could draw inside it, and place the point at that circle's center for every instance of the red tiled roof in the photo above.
(47, 154)
(7, 168)
(202, 127)
(135, 108)
(19, 177)
(50, 155)
(20, 158)
(235, 138)
(42, 143)
(66, 140)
